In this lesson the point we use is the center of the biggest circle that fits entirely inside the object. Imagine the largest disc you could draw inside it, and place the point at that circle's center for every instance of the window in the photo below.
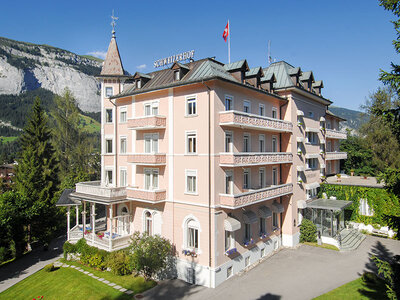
(246, 142)
(274, 176)
(247, 232)
(262, 226)
(229, 183)
(312, 137)
(229, 240)
(109, 91)
(311, 114)
(191, 181)
(191, 109)
(139, 84)
(364, 208)
(275, 220)
(228, 142)
(151, 109)
(322, 148)
(329, 146)
(246, 179)
(123, 114)
(123, 145)
(109, 115)
(274, 113)
(193, 235)
(229, 272)
(109, 146)
(151, 143)
(312, 193)
(191, 138)
(150, 179)
(261, 110)
(274, 144)
(228, 103)
(300, 217)
(262, 252)
(148, 223)
(109, 177)
(177, 75)
(312, 163)
(247, 261)
(328, 124)
(246, 106)
(123, 177)
(322, 125)
(261, 142)
(262, 177)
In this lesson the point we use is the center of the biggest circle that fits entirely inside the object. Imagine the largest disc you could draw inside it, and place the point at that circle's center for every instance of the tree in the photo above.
(37, 175)
(308, 231)
(390, 271)
(149, 253)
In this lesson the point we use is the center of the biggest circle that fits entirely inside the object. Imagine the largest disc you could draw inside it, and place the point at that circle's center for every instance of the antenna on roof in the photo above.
(269, 53)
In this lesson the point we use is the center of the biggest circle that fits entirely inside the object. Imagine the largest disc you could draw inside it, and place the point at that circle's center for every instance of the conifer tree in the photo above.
(37, 175)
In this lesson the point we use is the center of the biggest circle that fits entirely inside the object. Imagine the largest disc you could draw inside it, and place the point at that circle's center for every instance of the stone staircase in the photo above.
(351, 239)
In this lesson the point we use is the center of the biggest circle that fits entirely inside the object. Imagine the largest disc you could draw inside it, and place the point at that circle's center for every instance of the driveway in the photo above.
(301, 273)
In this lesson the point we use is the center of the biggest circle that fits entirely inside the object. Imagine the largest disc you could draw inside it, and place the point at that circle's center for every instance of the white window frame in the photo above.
(189, 100)
(123, 170)
(185, 227)
(247, 106)
(261, 138)
(107, 88)
(148, 222)
(229, 146)
(312, 193)
(300, 216)
(152, 137)
(229, 173)
(151, 172)
(232, 102)
(248, 136)
(121, 138)
(313, 165)
(112, 115)
(152, 105)
(261, 182)
(190, 135)
(312, 138)
(191, 173)
(274, 111)
(106, 170)
(246, 185)
(177, 75)
(106, 139)
(261, 109)
(123, 111)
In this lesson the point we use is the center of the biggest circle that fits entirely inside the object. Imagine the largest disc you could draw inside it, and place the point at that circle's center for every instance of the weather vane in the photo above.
(113, 22)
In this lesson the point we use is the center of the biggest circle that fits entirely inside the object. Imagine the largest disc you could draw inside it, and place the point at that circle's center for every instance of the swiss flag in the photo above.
(226, 32)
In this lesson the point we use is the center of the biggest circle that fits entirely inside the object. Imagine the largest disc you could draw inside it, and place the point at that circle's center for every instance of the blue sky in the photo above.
(344, 43)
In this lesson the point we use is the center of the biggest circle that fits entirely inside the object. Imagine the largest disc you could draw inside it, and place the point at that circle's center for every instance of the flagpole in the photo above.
(229, 42)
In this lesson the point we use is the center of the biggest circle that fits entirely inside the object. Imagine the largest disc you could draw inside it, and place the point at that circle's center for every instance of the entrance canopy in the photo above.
(335, 205)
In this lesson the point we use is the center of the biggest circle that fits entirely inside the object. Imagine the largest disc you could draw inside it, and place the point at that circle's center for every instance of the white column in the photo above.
(68, 222)
(93, 221)
(77, 216)
(84, 219)
(111, 227)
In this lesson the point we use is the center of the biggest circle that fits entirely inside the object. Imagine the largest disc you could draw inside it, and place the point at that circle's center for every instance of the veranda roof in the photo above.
(65, 200)
(330, 204)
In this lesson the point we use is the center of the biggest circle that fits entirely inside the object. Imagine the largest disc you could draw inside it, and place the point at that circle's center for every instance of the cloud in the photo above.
(99, 54)
(141, 66)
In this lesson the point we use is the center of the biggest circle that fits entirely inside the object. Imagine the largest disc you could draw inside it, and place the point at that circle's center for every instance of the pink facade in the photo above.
(216, 165)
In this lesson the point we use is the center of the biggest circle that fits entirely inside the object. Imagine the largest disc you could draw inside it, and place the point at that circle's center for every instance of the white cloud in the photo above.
(99, 54)
(141, 66)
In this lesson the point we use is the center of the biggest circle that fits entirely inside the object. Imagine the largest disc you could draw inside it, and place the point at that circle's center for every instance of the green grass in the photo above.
(63, 283)
(92, 58)
(88, 124)
(136, 284)
(325, 246)
(358, 289)
(7, 139)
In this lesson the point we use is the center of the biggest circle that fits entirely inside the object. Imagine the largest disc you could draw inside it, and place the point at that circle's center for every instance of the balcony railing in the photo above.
(146, 195)
(147, 122)
(254, 158)
(94, 188)
(245, 120)
(254, 196)
(335, 155)
(147, 159)
(335, 134)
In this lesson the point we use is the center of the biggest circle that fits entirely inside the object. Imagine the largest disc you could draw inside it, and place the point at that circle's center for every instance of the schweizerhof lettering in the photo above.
(174, 58)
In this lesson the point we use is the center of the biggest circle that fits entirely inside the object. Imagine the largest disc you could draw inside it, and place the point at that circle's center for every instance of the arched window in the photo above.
(148, 223)
(192, 234)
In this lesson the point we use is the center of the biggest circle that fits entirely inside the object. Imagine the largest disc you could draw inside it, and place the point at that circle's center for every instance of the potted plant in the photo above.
(365, 176)
(352, 172)
(338, 177)
(300, 124)
(299, 152)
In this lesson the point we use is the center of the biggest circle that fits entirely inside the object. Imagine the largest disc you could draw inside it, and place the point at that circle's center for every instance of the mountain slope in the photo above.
(354, 119)
(27, 67)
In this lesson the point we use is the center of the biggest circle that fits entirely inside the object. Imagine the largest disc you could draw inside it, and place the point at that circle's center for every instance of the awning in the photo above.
(231, 224)
(300, 113)
(300, 168)
(309, 129)
(277, 208)
(249, 217)
(301, 204)
(313, 185)
(336, 205)
(312, 155)
(300, 139)
(322, 119)
(264, 212)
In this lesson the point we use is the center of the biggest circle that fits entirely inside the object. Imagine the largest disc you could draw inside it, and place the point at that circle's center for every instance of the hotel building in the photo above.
(221, 159)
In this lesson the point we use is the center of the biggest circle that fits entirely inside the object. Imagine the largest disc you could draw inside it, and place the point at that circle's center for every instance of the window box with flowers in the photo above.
(231, 251)
(188, 252)
(248, 243)
(263, 235)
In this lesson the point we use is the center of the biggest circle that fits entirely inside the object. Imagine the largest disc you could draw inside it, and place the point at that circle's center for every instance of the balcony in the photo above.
(335, 155)
(148, 159)
(335, 134)
(254, 196)
(239, 119)
(152, 196)
(254, 158)
(94, 189)
(147, 122)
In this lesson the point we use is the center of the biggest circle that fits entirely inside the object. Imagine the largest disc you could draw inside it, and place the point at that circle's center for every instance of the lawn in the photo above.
(88, 124)
(325, 246)
(63, 283)
(357, 289)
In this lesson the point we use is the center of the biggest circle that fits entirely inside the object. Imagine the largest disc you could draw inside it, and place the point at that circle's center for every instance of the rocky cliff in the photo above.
(27, 67)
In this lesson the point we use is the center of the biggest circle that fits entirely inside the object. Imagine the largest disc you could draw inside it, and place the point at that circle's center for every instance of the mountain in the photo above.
(27, 67)
(354, 118)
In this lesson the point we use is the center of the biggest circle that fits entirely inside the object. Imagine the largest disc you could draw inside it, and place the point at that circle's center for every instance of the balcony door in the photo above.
(228, 142)
(274, 176)
(123, 220)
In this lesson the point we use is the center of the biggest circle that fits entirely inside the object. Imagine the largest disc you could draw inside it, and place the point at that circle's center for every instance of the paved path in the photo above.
(25, 266)
(301, 273)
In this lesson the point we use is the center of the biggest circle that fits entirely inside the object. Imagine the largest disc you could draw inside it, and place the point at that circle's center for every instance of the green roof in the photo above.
(237, 65)
(253, 72)
(307, 76)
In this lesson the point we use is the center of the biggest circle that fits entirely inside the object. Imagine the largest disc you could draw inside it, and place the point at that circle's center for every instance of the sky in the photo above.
(344, 43)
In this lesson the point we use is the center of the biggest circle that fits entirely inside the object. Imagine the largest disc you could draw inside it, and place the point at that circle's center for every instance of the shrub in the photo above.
(49, 268)
(4, 254)
(308, 231)
(69, 248)
(119, 264)
(81, 246)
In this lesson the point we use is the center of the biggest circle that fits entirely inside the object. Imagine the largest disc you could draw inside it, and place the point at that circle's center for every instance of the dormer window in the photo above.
(177, 75)
(180, 70)
(139, 84)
